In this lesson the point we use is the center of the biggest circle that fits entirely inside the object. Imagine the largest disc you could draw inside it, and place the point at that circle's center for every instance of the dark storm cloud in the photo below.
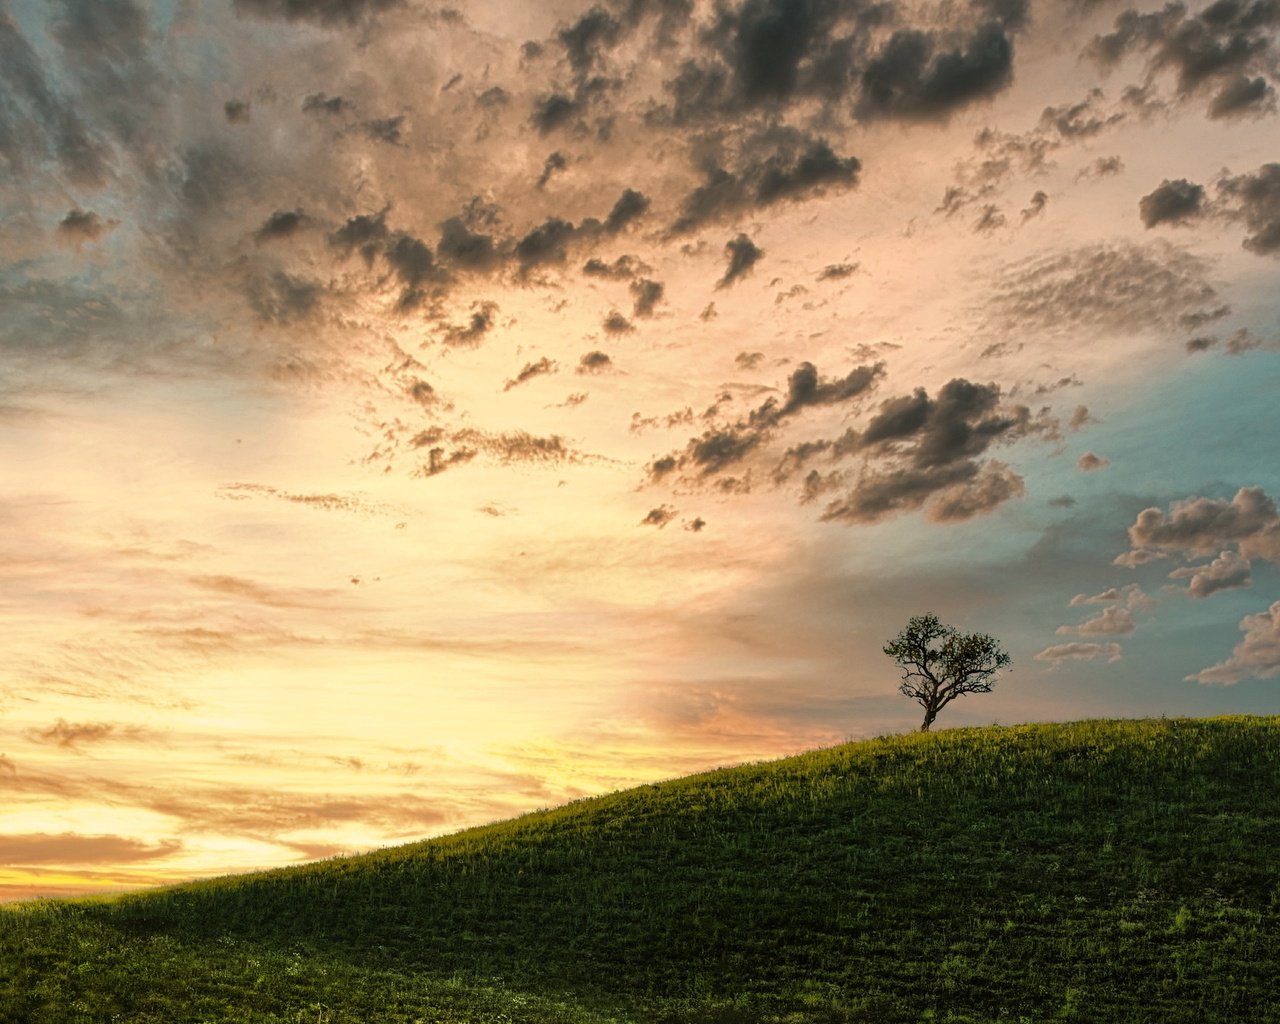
(1173, 202)
(481, 322)
(616, 323)
(922, 452)
(806, 388)
(659, 516)
(743, 254)
(388, 130)
(319, 103)
(363, 233)
(1255, 199)
(798, 167)
(1103, 167)
(83, 226)
(620, 269)
(1228, 48)
(727, 444)
(554, 163)
(236, 111)
(465, 248)
(768, 54)
(1111, 287)
(541, 368)
(281, 224)
(631, 205)
(545, 244)
(962, 490)
(1036, 207)
(553, 111)
(1242, 95)
(909, 79)
(1081, 120)
(594, 362)
(583, 40)
(410, 258)
(647, 295)
(323, 12)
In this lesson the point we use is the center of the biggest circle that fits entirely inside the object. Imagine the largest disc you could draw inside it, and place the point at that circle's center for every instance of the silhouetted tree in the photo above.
(939, 663)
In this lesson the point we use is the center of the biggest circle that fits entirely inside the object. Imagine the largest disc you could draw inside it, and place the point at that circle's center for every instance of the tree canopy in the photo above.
(939, 663)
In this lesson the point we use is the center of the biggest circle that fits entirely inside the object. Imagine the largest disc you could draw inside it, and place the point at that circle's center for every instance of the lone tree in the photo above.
(939, 663)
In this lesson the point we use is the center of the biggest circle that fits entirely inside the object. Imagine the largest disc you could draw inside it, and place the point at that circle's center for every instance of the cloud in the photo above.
(326, 501)
(34, 848)
(281, 298)
(1228, 571)
(647, 295)
(837, 271)
(1121, 288)
(1213, 52)
(911, 80)
(541, 368)
(1081, 652)
(1089, 462)
(1173, 202)
(320, 103)
(621, 269)
(594, 362)
(1130, 596)
(483, 314)
(1243, 96)
(743, 255)
(1257, 656)
(631, 206)
(958, 491)
(615, 323)
(1111, 621)
(74, 735)
(1036, 207)
(1255, 199)
(659, 516)
(991, 219)
(237, 111)
(555, 162)
(80, 226)
(748, 360)
(239, 588)
(281, 224)
(799, 167)
(1205, 526)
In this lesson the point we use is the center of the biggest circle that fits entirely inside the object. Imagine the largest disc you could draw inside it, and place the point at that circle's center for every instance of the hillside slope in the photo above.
(1094, 871)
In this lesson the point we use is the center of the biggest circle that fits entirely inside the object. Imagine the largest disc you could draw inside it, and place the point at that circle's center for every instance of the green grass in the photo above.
(1094, 871)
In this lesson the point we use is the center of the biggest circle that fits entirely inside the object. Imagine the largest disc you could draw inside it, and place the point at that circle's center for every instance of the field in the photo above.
(1095, 871)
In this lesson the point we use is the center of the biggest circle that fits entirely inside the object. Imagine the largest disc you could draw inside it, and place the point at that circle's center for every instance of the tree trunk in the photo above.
(929, 715)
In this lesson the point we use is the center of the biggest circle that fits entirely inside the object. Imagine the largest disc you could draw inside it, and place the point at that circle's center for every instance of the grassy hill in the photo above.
(1094, 871)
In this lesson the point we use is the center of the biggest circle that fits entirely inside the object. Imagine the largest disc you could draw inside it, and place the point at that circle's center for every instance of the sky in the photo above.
(415, 415)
